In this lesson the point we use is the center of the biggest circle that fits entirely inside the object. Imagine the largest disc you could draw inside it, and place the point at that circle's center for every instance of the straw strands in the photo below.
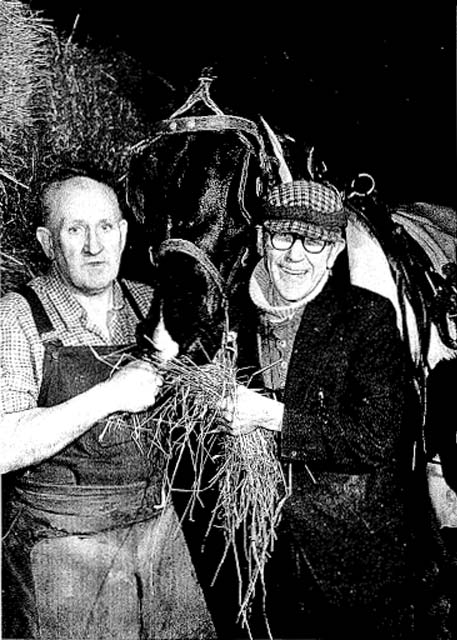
(187, 421)
(24, 85)
(90, 120)
(24, 75)
(252, 491)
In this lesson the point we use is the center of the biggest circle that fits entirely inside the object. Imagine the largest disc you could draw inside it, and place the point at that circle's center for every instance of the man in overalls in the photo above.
(89, 550)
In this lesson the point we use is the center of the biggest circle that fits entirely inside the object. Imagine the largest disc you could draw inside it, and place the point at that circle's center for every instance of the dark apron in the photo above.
(103, 480)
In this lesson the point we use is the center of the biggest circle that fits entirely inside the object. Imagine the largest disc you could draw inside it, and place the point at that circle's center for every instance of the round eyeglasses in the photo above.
(285, 241)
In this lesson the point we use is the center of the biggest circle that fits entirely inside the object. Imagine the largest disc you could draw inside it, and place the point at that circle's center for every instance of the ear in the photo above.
(44, 237)
(260, 236)
(123, 226)
(336, 249)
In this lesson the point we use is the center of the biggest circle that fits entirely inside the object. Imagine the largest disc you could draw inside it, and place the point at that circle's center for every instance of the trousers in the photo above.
(72, 578)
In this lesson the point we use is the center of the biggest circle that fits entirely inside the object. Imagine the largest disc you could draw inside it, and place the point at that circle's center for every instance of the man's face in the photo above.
(87, 235)
(296, 272)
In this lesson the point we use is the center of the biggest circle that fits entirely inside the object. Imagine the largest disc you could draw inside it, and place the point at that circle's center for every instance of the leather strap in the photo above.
(189, 248)
(131, 300)
(42, 320)
(206, 123)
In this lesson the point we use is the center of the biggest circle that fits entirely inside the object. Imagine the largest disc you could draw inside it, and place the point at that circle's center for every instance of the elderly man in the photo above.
(333, 365)
(87, 551)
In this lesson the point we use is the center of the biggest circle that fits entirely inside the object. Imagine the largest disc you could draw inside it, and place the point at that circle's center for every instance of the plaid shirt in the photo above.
(22, 350)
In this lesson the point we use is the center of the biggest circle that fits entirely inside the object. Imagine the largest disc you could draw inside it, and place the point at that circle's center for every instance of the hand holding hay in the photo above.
(248, 410)
(139, 384)
(252, 489)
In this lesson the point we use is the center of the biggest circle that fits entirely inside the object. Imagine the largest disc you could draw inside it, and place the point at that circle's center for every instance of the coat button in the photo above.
(293, 453)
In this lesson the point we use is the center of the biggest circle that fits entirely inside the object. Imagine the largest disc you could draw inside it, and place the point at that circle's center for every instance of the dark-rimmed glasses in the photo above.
(285, 241)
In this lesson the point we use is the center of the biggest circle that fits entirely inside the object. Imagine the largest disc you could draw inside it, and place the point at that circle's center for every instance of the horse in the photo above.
(195, 185)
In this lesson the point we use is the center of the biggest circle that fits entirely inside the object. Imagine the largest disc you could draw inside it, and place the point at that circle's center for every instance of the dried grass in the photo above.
(188, 421)
(252, 491)
(24, 76)
(90, 120)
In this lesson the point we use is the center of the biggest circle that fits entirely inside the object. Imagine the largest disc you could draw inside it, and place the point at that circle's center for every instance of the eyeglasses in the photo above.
(284, 241)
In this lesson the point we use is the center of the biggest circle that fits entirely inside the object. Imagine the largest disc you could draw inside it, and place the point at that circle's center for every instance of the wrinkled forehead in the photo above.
(80, 199)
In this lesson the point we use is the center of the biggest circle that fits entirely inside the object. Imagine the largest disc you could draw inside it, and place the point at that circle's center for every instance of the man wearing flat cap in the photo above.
(339, 397)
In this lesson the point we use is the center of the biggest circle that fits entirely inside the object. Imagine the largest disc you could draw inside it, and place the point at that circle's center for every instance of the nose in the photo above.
(297, 251)
(92, 243)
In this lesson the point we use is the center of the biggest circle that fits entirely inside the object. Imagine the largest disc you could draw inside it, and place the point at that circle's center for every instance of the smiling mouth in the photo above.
(292, 272)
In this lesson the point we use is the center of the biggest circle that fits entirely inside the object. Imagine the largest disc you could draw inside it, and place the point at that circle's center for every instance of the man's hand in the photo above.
(135, 386)
(250, 410)
(32, 435)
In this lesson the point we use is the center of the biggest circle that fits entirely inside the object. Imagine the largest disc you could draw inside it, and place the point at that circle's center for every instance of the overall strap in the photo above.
(131, 300)
(42, 320)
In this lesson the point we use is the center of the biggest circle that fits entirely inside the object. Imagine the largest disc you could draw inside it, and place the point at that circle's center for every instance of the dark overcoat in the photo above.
(350, 425)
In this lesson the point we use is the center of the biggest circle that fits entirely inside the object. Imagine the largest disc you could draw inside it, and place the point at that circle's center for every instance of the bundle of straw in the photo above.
(185, 420)
(24, 87)
(251, 486)
(252, 491)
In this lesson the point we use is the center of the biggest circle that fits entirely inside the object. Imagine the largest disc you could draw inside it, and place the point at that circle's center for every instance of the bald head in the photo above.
(84, 233)
(77, 190)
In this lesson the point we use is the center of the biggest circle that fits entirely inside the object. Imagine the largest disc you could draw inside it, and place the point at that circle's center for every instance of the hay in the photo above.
(249, 479)
(188, 420)
(24, 84)
(90, 121)
(252, 491)
(24, 78)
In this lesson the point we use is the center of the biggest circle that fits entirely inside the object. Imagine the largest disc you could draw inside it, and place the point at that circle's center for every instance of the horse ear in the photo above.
(284, 171)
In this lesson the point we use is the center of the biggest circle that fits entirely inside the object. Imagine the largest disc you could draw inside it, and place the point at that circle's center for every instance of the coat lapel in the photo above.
(320, 324)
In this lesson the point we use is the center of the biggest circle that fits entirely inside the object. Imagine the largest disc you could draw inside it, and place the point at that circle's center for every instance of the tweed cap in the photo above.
(309, 208)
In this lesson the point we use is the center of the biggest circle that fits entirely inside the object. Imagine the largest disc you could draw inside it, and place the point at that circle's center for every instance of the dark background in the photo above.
(372, 89)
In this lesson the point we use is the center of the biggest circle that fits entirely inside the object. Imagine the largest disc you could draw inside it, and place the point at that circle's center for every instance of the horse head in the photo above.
(196, 184)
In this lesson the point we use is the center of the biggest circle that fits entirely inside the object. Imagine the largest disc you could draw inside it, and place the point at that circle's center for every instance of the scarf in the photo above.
(270, 304)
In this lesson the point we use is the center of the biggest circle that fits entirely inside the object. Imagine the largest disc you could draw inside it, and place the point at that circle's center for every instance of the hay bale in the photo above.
(90, 121)
(24, 85)
(24, 65)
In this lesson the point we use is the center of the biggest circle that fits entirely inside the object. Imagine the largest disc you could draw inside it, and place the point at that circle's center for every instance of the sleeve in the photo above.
(21, 356)
(361, 411)
(379, 414)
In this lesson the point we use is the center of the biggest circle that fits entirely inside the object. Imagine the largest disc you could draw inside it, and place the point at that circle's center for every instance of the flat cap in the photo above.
(309, 208)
